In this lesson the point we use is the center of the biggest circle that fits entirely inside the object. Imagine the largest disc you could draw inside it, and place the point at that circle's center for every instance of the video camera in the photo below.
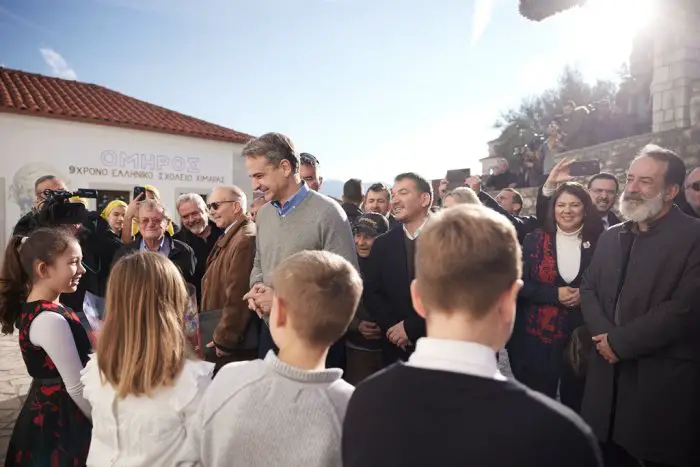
(59, 210)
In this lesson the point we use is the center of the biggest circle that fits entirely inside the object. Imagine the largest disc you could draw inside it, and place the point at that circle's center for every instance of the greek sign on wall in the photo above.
(147, 167)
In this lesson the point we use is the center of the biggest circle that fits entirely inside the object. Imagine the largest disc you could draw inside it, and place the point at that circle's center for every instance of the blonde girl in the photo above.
(143, 383)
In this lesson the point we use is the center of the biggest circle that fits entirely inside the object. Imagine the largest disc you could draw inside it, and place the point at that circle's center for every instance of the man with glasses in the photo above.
(603, 189)
(47, 182)
(230, 328)
(692, 193)
(153, 222)
(309, 171)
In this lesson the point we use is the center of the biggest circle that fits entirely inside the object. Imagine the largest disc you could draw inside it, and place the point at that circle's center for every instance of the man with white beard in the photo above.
(198, 231)
(640, 298)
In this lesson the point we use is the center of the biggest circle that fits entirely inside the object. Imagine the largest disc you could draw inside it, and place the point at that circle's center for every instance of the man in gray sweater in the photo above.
(295, 219)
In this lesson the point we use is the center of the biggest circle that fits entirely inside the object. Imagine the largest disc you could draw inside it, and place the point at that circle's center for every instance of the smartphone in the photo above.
(584, 168)
(456, 178)
(138, 190)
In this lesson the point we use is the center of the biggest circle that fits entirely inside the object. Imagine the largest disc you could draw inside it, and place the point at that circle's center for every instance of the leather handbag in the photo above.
(578, 350)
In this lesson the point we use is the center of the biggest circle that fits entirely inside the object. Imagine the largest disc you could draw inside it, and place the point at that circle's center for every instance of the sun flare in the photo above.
(605, 30)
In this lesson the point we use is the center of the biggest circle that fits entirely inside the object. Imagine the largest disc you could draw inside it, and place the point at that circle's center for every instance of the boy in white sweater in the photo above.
(288, 409)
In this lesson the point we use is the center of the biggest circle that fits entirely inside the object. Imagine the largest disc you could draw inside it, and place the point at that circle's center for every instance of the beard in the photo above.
(637, 208)
(198, 227)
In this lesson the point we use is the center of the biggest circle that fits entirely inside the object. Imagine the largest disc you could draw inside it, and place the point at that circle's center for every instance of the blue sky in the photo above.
(371, 87)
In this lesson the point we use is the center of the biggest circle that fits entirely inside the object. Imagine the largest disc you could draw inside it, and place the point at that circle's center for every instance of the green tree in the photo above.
(535, 113)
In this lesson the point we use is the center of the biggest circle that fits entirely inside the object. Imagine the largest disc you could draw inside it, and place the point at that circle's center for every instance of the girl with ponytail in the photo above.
(53, 427)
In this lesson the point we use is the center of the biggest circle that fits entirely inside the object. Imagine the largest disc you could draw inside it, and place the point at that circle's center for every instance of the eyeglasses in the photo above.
(600, 191)
(217, 204)
(695, 186)
(308, 159)
(151, 220)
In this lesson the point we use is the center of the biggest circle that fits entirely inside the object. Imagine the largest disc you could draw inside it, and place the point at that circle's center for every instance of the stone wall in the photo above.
(676, 62)
(616, 156)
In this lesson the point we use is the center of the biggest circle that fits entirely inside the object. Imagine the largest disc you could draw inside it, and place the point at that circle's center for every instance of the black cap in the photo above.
(372, 224)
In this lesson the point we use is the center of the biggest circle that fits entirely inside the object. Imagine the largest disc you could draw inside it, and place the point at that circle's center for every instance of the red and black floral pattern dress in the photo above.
(51, 430)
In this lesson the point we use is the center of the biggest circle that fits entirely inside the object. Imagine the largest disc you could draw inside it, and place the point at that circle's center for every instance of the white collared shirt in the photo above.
(417, 232)
(464, 357)
(226, 230)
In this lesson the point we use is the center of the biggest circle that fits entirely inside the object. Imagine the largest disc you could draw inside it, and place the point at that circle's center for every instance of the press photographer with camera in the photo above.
(54, 207)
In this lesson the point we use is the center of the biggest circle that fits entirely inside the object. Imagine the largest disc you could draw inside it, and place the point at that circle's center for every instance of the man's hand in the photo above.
(604, 349)
(219, 352)
(397, 336)
(264, 300)
(369, 330)
(260, 299)
(474, 183)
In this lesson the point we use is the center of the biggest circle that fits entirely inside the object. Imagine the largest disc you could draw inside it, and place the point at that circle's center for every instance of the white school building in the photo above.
(93, 137)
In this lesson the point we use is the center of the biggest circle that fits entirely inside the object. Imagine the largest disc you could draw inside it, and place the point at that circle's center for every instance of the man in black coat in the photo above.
(641, 301)
(153, 223)
(391, 270)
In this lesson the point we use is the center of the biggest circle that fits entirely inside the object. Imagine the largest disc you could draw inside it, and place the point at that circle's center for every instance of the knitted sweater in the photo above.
(268, 414)
(317, 223)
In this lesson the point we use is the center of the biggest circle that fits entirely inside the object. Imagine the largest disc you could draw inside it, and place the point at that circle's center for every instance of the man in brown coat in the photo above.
(226, 281)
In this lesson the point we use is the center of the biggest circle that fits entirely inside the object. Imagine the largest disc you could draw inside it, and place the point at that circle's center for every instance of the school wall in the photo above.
(107, 158)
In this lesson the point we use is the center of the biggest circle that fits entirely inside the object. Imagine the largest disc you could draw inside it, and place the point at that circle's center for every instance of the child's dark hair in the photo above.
(18, 268)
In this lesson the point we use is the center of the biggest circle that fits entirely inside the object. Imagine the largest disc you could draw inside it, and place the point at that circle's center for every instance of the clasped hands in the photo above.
(260, 299)
(569, 296)
(397, 336)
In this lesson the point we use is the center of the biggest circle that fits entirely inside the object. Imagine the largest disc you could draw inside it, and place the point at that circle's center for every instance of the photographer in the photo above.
(53, 208)
(27, 223)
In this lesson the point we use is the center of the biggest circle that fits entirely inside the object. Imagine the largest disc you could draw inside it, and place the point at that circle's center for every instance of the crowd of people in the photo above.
(577, 127)
(364, 331)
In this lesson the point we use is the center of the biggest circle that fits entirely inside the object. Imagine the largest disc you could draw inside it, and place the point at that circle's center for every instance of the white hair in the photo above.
(192, 198)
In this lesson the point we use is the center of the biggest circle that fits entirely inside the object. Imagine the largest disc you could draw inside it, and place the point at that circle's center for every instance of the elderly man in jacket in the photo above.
(640, 299)
(235, 335)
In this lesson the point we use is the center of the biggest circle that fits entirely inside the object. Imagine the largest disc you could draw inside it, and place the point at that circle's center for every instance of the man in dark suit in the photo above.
(639, 298)
(391, 268)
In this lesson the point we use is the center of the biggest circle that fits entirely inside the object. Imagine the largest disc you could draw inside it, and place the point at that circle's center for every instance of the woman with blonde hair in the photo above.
(461, 195)
(114, 214)
(143, 383)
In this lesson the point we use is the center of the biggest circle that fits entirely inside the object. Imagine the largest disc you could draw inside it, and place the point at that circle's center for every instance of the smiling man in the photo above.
(639, 298)
(391, 269)
(153, 223)
(603, 189)
(198, 231)
(295, 218)
(237, 328)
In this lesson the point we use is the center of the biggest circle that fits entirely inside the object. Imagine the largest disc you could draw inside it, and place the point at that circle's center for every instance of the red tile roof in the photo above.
(45, 96)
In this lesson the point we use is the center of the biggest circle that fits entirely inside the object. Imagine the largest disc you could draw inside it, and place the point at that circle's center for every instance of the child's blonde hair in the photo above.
(142, 345)
(321, 290)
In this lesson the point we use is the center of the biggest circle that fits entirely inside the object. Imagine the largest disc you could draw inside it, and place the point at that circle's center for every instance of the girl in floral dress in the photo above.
(53, 428)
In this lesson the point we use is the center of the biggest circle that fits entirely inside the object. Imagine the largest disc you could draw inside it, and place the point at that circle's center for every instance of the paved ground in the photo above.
(14, 384)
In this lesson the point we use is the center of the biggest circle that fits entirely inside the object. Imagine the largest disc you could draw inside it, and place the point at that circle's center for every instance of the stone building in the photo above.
(665, 64)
